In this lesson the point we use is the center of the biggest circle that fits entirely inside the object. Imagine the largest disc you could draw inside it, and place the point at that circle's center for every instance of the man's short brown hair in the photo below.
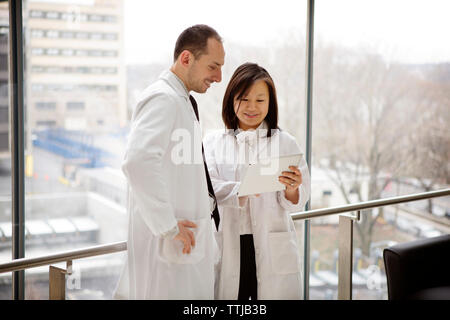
(195, 39)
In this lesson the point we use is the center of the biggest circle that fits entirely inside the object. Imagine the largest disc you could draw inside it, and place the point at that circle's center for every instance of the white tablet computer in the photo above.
(263, 176)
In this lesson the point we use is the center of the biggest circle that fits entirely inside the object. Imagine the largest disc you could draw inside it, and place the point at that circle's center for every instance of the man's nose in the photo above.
(218, 76)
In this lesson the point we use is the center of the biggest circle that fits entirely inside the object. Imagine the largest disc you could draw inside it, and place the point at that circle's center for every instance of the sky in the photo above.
(408, 31)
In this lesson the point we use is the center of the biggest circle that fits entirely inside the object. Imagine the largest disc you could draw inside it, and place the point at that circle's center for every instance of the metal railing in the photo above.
(345, 230)
(56, 281)
(57, 275)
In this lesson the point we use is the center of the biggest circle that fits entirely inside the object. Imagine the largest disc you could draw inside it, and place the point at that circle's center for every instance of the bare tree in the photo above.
(429, 137)
(362, 107)
(365, 116)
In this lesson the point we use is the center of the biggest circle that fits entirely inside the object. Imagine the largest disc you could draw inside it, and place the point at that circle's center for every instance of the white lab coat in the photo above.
(277, 254)
(162, 191)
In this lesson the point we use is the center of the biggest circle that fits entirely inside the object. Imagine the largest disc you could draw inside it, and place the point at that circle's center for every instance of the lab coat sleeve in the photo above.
(149, 139)
(304, 189)
(225, 191)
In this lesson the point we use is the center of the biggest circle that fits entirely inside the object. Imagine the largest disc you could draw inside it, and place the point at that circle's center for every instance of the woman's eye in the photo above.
(243, 99)
(260, 100)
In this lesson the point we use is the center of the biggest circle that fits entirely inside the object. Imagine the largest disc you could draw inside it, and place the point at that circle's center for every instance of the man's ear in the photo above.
(185, 57)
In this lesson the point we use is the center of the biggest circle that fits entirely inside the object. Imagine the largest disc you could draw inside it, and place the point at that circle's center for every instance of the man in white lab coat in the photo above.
(171, 245)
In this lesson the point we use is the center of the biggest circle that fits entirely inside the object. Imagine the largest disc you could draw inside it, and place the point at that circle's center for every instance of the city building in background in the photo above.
(75, 79)
(75, 111)
(75, 72)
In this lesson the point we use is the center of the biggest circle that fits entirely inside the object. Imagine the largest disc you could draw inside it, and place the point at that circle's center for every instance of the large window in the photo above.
(77, 116)
(381, 83)
(86, 63)
(380, 128)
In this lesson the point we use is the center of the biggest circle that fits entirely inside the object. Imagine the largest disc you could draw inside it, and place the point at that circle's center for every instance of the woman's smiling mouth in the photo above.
(251, 115)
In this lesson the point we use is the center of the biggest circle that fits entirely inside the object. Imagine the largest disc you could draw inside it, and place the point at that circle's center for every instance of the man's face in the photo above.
(207, 68)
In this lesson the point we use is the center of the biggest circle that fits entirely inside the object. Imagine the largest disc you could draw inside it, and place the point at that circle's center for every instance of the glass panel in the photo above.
(75, 190)
(275, 41)
(5, 156)
(74, 151)
(91, 281)
(380, 129)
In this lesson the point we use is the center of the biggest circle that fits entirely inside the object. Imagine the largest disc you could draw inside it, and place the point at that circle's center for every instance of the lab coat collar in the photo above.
(175, 82)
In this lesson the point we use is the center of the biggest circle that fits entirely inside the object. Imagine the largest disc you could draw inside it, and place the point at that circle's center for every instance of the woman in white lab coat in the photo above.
(260, 256)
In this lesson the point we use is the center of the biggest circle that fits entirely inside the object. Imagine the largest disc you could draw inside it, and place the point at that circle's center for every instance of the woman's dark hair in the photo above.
(241, 81)
(195, 39)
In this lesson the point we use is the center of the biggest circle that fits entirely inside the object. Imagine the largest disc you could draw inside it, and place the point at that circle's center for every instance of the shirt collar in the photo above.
(175, 82)
(262, 125)
(234, 133)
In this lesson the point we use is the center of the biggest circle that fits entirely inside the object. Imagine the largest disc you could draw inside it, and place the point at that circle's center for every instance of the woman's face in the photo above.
(253, 107)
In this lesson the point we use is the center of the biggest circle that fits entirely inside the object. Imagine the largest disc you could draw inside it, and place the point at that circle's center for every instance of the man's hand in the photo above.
(186, 235)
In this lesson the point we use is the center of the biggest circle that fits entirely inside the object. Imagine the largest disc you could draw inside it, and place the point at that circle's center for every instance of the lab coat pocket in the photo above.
(283, 252)
(171, 250)
(269, 199)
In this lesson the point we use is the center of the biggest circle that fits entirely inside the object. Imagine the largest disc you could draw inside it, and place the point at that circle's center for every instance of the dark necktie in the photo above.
(215, 214)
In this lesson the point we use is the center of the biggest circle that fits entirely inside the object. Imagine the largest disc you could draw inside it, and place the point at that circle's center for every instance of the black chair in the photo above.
(419, 270)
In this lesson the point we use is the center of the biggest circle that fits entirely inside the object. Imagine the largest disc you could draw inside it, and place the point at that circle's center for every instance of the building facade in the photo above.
(75, 73)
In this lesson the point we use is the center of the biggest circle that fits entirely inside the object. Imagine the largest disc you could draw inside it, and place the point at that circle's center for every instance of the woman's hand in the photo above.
(292, 180)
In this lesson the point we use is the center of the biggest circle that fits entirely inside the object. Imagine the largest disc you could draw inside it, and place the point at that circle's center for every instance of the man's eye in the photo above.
(211, 68)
